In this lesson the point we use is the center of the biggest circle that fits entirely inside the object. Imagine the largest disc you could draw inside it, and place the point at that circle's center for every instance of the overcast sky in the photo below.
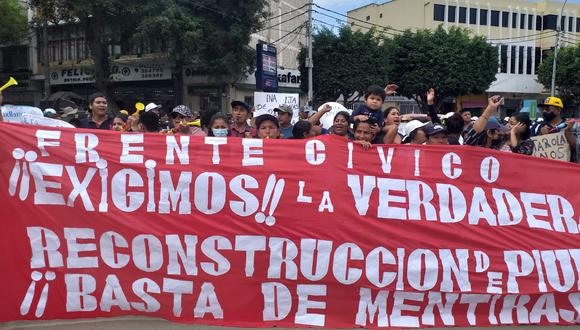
(342, 6)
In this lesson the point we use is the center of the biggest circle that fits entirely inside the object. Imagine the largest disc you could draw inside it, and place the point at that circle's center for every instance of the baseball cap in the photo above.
(151, 106)
(49, 112)
(412, 126)
(266, 117)
(284, 108)
(552, 101)
(183, 110)
(241, 104)
(432, 129)
(493, 123)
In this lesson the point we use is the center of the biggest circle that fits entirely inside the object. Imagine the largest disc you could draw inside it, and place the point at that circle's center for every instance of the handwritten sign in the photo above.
(552, 146)
(14, 113)
(266, 102)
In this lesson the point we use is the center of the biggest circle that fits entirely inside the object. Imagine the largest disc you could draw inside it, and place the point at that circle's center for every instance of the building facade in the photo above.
(522, 30)
(142, 72)
(286, 29)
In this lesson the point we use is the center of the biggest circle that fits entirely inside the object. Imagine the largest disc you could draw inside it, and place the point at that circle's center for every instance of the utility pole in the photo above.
(309, 62)
(45, 55)
(559, 30)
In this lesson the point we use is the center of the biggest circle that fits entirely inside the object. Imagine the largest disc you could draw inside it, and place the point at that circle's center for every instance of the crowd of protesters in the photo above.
(368, 124)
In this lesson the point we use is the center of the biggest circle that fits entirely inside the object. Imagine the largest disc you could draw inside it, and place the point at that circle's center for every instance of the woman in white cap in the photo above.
(414, 133)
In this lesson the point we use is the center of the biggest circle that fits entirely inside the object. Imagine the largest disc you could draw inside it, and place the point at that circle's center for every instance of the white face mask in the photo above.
(220, 132)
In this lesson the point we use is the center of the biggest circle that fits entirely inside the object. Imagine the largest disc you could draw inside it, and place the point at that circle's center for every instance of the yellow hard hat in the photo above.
(552, 101)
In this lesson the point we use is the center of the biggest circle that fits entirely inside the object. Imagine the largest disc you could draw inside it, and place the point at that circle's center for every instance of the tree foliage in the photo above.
(567, 73)
(344, 64)
(453, 63)
(13, 22)
(104, 23)
(213, 36)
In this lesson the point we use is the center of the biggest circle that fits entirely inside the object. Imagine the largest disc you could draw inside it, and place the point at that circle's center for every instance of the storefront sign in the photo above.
(119, 72)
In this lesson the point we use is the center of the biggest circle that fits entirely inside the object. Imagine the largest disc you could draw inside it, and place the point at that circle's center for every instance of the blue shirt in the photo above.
(287, 132)
(377, 115)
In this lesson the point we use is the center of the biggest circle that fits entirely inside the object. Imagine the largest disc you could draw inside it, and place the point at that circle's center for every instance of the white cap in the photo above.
(412, 126)
(448, 115)
(49, 111)
(151, 106)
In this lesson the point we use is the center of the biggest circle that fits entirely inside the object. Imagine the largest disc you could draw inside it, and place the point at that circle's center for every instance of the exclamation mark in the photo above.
(27, 301)
(44, 294)
(17, 154)
(25, 183)
(277, 188)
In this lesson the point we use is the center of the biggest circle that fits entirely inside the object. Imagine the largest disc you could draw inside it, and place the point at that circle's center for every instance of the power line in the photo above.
(280, 23)
(294, 39)
(326, 23)
(520, 37)
(352, 23)
(359, 20)
(286, 13)
(289, 33)
(521, 41)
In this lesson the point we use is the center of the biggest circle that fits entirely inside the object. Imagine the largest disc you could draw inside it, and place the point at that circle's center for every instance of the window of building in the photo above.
(538, 23)
(503, 58)
(538, 54)
(514, 20)
(530, 22)
(550, 22)
(563, 22)
(381, 15)
(249, 100)
(368, 18)
(522, 21)
(472, 15)
(439, 13)
(505, 19)
(529, 59)
(570, 24)
(483, 16)
(462, 15)
(578, 24)
(513, 59)
(521, 60)
(14, 59)
(451, 14)
(494, 18)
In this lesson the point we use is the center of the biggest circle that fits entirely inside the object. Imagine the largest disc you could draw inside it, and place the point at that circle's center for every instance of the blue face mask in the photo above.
(220, 132)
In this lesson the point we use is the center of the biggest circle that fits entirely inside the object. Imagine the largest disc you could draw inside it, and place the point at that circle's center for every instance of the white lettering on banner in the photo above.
(421, 270)
(397, 199)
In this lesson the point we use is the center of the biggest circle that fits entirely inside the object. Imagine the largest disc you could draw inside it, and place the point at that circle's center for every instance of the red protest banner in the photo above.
(264, 233)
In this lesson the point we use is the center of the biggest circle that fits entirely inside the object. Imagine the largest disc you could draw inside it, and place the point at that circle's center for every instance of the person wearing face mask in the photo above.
(218, 125)
(487, 131)
(552, 115)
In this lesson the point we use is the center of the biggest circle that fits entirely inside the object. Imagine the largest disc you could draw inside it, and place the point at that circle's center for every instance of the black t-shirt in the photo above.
(89, 123)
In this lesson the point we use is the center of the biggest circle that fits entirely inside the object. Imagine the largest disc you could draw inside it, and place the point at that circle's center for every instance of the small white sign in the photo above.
(266, 102)
(13, 113)
(327, 120)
